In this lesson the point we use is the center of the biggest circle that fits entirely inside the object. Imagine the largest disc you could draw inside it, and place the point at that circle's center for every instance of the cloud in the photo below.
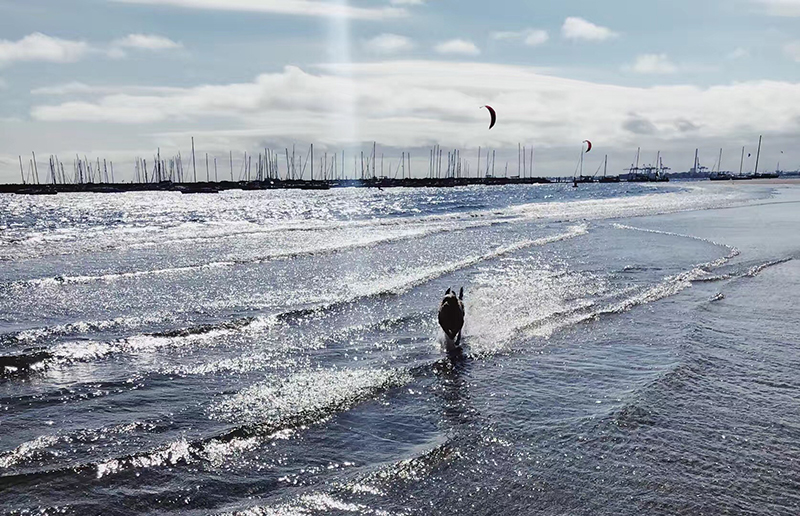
(287, 7)
(78, 88)
(388, 44)
(44, 48)
(792, 50)
(457, 46)
(637, 125)
(531, 37)
(407, 2)
(654, 64)
(790, 8)
(578, 28)
(739, 53)
(146, 42)
(40, 47)
(407, 104)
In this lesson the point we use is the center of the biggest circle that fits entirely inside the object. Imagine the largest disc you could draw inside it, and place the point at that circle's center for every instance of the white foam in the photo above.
(413, 278)
(27, 450)
(79, 327)
(313, 393)
(314, 503)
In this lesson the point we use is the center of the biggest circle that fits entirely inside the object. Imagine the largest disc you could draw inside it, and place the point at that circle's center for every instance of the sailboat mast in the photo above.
(194, 165)
(719, 163)
(605, 165)
(758, 154)
(741, 163)
(530, 173)
(658, 164)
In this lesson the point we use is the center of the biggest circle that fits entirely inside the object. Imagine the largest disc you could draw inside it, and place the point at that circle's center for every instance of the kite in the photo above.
(493, 114)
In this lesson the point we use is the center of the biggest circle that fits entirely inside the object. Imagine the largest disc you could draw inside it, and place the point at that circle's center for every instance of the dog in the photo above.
(451, 318)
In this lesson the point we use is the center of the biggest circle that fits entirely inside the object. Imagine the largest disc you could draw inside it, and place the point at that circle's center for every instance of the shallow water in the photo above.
(629, 349)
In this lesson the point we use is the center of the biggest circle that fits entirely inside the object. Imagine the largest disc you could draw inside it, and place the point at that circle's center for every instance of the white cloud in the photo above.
(654, 64)
(388, 44)
(578, 28)
(536, 37)
(458, 46)
(739, 53)
(531, 37)
(78, 88)
(288, 7)
(146, 42)
(40, 47)
(792, 50)
(415, 103)
(789, 8)
(70, 88)
(407, 2)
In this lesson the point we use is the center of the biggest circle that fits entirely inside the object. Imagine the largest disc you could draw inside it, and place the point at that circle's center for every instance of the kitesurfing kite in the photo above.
(588, 145)
(493, 114)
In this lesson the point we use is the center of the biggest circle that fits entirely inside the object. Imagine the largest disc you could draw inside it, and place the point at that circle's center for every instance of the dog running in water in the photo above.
(451, 318)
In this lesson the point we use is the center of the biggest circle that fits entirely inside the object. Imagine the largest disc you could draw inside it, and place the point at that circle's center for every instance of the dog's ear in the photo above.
(448, 291)
(461, 293)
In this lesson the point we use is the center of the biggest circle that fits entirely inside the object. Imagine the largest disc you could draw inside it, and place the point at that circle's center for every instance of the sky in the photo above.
(120, 79)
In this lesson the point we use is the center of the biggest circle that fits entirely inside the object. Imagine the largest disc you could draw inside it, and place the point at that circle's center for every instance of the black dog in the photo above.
(451, 318)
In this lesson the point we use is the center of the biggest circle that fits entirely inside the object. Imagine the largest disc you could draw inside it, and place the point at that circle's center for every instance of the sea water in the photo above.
(629, 349)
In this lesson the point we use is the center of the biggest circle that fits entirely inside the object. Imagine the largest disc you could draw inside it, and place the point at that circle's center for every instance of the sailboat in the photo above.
(765, 175)
(741, 169)
(605, 178)
(719, 175)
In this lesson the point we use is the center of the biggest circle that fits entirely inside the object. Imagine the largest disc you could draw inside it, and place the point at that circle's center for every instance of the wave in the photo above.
(33, 361)
(27, 450)
(308, 504)
(754, 271)
(40, 447)
(750, 272)
(309, 395)
(543, 324)
(81, 240)
(331, 500)
(412, 279)
(408, 280)
(74, 240)
(274, 256)
(678, 235)
(33, 335)
(262, 412)
(269, 411)
(114, 276)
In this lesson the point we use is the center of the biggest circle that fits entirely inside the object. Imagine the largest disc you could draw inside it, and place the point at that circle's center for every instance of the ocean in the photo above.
(628, 349)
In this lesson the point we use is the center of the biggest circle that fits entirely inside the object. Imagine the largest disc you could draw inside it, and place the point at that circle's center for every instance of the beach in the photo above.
(628, 349)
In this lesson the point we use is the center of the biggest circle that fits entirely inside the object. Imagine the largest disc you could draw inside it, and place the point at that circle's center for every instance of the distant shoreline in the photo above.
(778, 181)
(215, 187)
(269, 184)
